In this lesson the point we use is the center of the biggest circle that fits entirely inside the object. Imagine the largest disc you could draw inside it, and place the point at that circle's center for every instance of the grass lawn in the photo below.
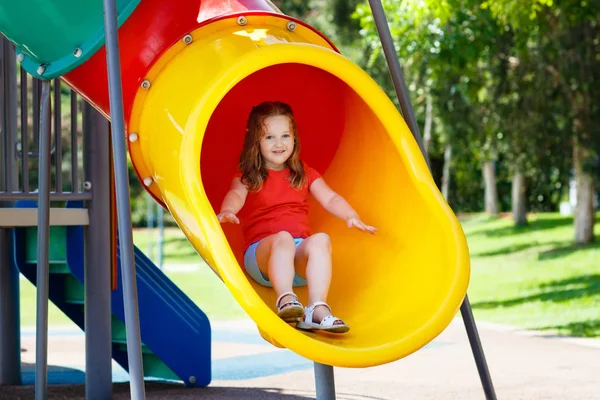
(531, 277)
(201, 285)
(176, 248)
(534, 277)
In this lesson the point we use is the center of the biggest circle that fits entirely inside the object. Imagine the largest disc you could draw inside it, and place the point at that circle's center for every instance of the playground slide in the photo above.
(175, 332)
(191, 73)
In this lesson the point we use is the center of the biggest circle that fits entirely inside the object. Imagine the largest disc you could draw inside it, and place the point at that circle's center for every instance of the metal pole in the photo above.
(10, 115)
(41, 346)
(393, 63)
(24, 129)
(98, 346)
(402, 92)
(74, 148)
(10, 339)
(58, 136)
(161, 235)
(150, 225)
(478, 354)
(132, 319)
(35, 97)
(324, 382)
(3, 139)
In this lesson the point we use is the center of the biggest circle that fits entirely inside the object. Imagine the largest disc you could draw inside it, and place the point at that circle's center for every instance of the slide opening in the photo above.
(387, 286)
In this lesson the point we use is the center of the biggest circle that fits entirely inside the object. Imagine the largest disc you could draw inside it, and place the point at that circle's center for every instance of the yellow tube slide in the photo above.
(398, 289)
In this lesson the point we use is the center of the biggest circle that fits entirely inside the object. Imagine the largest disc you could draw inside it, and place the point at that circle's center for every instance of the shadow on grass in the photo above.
(565, 250)
(476, 218)
(181, 252)
(561, 249)
(592, 280)
(514, 248)
(556, 291)
(177, 247)
(581, 329)
(176, 240)
(533, 226)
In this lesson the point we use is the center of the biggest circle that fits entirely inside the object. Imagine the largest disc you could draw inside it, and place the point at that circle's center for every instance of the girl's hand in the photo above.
(228, 216)
(355, 222)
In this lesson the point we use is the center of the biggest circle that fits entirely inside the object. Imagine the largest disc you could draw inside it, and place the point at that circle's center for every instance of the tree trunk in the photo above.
(428, 121)
(519, 199)
(491, 195)
(446, 171)
(584, 209)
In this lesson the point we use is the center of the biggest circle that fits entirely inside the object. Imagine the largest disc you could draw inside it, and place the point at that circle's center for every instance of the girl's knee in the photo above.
(319, 242)
(284, 239)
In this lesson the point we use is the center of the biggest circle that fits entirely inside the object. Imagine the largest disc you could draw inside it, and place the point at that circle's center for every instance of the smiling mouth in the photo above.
(279, 151)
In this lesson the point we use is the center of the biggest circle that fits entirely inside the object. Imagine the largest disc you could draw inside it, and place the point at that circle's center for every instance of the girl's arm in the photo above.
(338, 206)
(233, 202)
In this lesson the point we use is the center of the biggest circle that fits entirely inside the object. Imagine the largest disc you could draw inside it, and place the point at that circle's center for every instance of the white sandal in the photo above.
(327, 324)
(290, 311)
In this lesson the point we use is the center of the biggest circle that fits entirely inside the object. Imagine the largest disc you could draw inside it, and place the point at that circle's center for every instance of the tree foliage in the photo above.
(511, 81)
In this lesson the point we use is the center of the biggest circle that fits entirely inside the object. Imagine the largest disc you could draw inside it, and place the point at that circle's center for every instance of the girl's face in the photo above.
(277, 144)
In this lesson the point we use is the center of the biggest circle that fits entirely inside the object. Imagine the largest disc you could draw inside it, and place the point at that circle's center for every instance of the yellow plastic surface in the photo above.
(398, 289)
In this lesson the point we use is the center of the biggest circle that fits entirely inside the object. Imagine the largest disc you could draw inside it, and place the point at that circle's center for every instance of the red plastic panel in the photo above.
(152, 28)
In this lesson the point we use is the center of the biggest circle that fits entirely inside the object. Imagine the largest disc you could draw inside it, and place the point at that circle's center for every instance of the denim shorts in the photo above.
(251, 265)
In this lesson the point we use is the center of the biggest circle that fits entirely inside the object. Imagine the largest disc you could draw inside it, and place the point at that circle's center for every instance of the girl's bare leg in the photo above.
(314, 255)
(275, 257)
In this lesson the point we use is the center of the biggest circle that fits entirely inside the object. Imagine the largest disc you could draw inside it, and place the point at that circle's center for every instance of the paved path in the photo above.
(523, 366)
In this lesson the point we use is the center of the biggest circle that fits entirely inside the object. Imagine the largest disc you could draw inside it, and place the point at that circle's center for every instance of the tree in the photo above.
(447, 50)
(569, 57)
(294, 8)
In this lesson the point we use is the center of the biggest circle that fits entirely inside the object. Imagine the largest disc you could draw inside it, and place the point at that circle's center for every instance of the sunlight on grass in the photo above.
(176, 248)
(530, 277)
(28, 307)
(201, 285)
(534, 277)
(205, 289)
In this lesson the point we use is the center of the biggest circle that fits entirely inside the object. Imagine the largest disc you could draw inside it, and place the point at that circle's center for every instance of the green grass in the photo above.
(28, 303)
(531, 277)
(176, 249)
(202, 285)
(534, 277)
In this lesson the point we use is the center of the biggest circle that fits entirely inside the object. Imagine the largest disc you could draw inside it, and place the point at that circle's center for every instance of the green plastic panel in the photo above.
(57, 34)
(74, 290)
(118, 330)
(153, 366)
(122, 345)
(57, 241)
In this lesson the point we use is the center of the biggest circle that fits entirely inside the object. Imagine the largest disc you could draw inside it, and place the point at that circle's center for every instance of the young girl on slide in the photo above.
(273, 184)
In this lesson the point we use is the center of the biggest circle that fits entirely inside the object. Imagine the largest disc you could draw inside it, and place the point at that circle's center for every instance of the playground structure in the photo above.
(180, 114)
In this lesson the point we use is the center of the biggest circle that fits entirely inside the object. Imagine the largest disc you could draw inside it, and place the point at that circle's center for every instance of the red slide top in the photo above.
(153, 28)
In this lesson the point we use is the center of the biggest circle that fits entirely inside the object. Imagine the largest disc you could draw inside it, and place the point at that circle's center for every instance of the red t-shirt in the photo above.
(277, 207)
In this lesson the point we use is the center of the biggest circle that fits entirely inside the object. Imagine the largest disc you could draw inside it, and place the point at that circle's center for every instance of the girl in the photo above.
(274, 184)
